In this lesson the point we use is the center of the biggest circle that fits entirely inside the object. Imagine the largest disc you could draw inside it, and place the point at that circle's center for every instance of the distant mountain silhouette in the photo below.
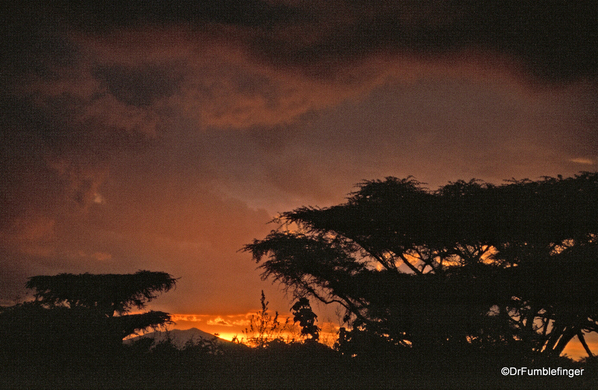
(180, 337)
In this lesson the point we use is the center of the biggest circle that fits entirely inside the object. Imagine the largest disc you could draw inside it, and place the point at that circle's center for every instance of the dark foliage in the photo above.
(471, 266)
(204, 364)
(49, 361)
(442, 289)
(304, 315)
(108, 293)
(72, 323)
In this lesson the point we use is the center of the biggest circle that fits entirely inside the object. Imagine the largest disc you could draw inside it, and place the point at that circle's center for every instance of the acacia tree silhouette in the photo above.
(107, 294)
(85, 314)
(469, 265)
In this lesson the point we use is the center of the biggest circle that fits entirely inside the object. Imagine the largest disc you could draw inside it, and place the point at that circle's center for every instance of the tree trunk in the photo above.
(582, 340)
(555, 334)
(568, 334)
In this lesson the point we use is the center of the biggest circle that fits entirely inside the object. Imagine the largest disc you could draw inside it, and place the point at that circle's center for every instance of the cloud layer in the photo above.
(144, 136)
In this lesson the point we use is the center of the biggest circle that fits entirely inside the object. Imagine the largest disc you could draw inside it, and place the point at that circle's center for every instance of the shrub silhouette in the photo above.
(303, 314)
(264, 328)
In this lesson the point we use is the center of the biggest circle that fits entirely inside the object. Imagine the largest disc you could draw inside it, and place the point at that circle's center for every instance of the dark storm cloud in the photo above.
(32, 42)
(556, 41)
(553, 40)
(143, 134)
(141, 85)
(103, 16)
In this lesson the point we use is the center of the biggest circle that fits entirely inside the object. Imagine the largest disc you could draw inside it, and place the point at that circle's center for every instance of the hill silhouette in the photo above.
(181, 337)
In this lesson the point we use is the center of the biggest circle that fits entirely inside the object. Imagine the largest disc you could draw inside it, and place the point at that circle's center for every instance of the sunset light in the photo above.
(379, 173)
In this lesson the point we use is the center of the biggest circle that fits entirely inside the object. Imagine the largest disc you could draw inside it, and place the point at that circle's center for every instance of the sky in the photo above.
(147, 135)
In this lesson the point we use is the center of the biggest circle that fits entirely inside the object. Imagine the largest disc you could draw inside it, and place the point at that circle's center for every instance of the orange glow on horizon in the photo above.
(228, 327)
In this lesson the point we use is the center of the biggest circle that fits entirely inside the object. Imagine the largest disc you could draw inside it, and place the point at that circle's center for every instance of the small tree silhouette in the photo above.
(303, 314)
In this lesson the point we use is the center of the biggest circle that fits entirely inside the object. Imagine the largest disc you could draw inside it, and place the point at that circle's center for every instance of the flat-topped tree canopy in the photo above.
(108, 293)
(397, 214)
(523, 252)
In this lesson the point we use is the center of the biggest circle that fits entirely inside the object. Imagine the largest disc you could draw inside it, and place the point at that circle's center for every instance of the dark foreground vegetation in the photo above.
(441, 289)
(278, 365)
